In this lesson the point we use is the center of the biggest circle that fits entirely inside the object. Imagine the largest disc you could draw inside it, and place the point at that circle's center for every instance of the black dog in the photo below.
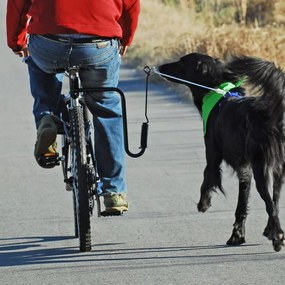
(246, 132)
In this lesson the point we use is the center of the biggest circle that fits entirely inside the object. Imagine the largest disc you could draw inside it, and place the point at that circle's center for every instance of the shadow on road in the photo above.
(35, 251)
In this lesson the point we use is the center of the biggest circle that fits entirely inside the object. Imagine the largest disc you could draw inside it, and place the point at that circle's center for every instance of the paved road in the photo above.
(162, 240)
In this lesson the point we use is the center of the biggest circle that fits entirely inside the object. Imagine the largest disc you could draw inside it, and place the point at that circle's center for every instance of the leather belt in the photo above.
(76, 40)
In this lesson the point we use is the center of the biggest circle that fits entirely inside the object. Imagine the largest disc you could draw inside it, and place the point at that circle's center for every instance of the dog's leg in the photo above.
(278, 180)
(273, 229)
(205, 193)
(238, 234)
(212, 180)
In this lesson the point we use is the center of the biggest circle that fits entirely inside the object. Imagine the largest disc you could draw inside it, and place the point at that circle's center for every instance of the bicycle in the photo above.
(77, 155)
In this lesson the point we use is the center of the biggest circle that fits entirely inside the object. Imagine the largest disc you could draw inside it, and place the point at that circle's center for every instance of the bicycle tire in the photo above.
(66, 151)
(80, 179)
(75, 215)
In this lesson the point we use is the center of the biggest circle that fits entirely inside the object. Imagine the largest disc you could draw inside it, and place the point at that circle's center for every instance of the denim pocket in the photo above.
(44, 62)
(96, 54)
(45, 54)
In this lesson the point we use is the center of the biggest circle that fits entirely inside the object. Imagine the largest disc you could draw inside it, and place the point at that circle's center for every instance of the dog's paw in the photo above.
(278, 244)
(203, 206)
(237, 238)
(205, 202)
(277, 238)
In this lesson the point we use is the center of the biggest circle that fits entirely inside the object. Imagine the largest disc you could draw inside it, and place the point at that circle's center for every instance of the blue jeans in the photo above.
(99, 66)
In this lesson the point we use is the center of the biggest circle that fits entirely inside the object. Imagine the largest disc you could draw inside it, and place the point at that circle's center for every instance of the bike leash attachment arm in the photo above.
(144, 128)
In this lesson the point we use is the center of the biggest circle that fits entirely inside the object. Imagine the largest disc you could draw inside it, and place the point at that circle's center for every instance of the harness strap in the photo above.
(212, 98)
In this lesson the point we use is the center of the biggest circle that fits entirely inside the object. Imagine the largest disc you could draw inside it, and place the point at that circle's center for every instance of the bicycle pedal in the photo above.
(49, 161)
(110, 214)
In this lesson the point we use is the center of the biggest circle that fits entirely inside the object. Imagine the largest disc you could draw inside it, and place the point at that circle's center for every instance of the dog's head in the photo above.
(197, 68)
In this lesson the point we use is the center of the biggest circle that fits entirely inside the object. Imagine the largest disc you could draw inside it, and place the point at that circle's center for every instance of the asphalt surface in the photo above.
(161, 240)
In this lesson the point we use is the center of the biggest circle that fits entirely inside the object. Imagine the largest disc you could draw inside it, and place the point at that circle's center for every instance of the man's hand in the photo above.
(123, 50)
(23, 52)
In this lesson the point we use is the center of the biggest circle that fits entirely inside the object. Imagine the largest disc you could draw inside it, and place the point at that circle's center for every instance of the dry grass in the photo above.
(168, 32)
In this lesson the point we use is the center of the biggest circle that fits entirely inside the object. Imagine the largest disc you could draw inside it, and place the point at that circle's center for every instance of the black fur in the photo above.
(247, 133)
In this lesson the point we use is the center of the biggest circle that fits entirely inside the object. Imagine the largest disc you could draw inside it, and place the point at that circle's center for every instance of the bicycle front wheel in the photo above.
(80, 178)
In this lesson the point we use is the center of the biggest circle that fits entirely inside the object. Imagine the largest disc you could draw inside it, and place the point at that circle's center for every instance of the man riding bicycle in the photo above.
(55, 34)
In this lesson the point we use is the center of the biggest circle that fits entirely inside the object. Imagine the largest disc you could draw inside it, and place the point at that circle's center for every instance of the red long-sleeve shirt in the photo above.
(106, 18)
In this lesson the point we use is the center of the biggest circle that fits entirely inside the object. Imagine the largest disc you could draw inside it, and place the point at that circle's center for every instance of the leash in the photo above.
(210, 99)
(151, 70)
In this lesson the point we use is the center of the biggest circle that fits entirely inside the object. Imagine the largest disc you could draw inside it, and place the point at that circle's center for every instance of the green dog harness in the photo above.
(212, 98)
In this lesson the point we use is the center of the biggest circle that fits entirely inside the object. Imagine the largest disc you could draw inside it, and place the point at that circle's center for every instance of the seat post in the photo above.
(73, 81)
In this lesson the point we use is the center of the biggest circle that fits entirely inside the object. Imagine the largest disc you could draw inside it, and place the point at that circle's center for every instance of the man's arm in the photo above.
(129, 22)
(16, 24)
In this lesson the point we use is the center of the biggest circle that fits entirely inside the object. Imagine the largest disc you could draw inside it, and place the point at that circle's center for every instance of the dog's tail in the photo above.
(269, 80)
(263, 75)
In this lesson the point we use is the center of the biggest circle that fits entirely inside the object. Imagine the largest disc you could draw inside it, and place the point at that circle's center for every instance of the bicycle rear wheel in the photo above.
(74, 200)
(80, 178)
(67, 152)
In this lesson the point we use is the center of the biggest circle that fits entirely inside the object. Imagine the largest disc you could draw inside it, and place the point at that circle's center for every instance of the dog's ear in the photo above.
(203, 67)
(211, 69)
